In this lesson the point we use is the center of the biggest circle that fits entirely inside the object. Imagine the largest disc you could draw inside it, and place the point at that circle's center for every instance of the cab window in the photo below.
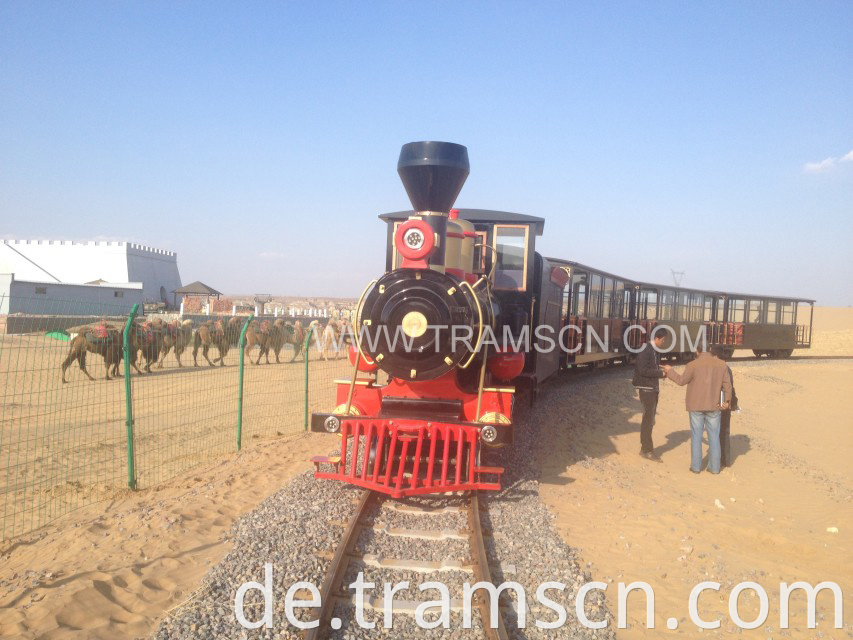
(511, 245)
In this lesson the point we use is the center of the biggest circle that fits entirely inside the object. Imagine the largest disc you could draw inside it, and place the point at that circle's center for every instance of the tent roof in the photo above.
(197, 288)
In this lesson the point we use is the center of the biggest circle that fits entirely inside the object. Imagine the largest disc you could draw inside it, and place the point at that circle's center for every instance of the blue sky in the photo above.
(260, 140)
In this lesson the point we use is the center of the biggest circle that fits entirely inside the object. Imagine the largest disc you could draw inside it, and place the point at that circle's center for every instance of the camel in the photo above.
(329, 336)
(178, 336)
(212, 334)
(146, 337)
(292, 334)
(259, 334)
(278, 337)
(102, 339)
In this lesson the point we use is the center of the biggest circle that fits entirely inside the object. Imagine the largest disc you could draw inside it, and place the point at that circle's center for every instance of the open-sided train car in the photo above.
(424, 407)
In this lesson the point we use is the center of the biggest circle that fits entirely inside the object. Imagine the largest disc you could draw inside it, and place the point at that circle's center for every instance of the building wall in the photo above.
(81, 262)
(156, 269)
(53, 298)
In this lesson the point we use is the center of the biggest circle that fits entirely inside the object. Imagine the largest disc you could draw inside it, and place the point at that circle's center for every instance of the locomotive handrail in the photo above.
(358, 323)
(479, 322)
(494, 262)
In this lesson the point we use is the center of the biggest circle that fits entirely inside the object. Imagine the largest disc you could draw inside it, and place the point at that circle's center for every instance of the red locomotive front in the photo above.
(433, 325)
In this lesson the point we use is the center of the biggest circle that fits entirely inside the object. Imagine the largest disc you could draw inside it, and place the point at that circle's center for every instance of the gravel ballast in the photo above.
(306, 517)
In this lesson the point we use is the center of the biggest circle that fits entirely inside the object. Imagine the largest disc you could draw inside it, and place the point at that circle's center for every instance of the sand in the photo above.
(115, 568)
(766, 519)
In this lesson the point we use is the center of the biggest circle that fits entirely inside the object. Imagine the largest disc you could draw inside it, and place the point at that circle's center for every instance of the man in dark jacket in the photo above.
(647, 373)
(726, 414)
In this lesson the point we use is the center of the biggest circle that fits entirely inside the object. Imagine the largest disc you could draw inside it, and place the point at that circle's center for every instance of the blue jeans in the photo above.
(705, 421)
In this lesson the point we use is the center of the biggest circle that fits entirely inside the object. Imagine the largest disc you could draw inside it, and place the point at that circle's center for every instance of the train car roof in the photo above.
(586, 266)
(672, 287)
(482, 215)
(729, 294)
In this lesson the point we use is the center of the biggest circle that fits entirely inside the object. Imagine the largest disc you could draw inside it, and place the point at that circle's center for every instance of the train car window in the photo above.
(578, 294)
(697, 302)
(737, 308)
(772, 313)
(787, 313)
(683, 306)
(755, 308)
(606, 297)
(709, 310)
(511, 244)
(667, 301)
(649, 304)
(618, 310)
(626, 304)
(567, 296)
(594, 296)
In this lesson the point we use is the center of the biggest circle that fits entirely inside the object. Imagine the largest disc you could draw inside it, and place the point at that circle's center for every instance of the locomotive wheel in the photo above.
(758, 353)
(785, 353)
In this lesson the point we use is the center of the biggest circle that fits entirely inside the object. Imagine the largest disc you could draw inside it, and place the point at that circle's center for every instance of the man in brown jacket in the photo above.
(705, 377)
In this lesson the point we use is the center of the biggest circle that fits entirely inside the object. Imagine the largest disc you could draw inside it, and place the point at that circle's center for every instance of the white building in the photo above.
(61, 299)
(68, 262)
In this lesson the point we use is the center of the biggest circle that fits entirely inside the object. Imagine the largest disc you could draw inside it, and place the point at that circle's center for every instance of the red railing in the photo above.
(730, 333)
(408, 458)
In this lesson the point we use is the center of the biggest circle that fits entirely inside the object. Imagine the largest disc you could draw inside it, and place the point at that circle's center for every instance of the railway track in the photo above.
(477, 564)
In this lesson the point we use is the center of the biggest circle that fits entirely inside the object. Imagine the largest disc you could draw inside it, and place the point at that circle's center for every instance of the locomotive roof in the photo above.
(482, 215)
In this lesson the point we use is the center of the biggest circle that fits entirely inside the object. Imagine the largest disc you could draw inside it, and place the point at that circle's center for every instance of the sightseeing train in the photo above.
(460, 323)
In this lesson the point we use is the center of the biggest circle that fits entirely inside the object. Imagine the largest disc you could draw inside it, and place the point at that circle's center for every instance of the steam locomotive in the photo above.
(450, 326)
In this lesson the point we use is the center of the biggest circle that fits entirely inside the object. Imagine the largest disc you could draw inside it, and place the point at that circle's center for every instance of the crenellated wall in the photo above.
(68, 261)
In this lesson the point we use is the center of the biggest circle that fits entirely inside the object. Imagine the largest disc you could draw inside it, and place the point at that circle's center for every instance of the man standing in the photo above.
(705, 377)
(647, 373)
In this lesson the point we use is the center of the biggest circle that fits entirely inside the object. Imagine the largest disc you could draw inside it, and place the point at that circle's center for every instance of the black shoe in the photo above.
(651, 455)
(694, 471)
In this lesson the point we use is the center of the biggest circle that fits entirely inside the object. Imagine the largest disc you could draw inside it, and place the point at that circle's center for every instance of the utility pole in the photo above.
(677, 277)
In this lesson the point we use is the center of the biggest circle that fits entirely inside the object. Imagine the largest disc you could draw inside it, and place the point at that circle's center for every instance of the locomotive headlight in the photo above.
(332, 424)
(489, 434)
(414, 324)
(414, 239)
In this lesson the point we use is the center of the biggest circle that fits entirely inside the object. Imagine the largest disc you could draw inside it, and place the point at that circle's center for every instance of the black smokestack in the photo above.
(433, 174)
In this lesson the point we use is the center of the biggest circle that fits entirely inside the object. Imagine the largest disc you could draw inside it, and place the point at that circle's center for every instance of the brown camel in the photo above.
(294, 334)
(211, 334)
(102, 339)
(278, 337)
(177, 335)
(147, 337)
(258, 334)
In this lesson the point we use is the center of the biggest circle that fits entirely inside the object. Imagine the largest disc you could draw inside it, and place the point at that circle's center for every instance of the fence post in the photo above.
(240, 384)
(305, 358)
(131, 455)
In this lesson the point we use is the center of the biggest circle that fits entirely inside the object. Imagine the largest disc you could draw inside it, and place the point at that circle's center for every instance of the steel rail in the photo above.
(338, 567)
(482, 572)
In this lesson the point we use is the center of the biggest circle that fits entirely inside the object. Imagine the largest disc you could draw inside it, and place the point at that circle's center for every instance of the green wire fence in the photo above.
(195, 389)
